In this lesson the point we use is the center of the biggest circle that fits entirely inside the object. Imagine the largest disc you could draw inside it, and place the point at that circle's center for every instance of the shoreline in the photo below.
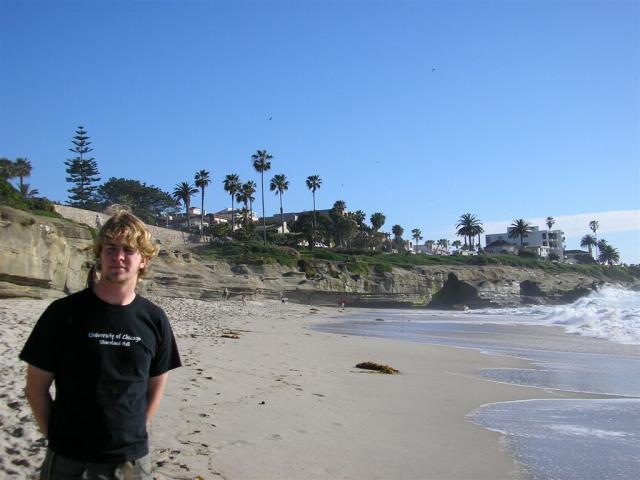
(286, 401)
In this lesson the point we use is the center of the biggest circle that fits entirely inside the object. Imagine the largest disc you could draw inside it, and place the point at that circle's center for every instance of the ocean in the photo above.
(590, 346)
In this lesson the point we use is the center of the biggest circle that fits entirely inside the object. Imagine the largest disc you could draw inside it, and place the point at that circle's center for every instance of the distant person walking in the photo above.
(244, 300)
(109, 351)
(342, 302)
(92, 277)
(225, 294)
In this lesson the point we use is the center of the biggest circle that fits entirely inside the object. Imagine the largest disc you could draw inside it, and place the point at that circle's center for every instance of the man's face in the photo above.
(120, 263)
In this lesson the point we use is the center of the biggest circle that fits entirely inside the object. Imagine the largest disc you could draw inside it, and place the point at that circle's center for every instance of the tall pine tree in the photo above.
(83, 172)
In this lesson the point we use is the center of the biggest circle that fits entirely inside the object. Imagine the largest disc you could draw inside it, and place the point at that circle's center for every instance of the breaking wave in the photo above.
(610, 313)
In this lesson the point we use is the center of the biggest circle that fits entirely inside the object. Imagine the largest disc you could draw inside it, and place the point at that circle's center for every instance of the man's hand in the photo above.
(154, 394)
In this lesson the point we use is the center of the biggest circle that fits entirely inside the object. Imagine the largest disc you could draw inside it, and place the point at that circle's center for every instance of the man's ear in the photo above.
(143, 263)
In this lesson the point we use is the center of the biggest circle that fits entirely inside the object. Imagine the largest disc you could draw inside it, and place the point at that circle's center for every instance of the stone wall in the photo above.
(168, 239)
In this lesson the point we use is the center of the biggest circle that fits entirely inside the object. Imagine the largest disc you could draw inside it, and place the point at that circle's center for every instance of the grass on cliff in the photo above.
(355, 262)
(250, 253)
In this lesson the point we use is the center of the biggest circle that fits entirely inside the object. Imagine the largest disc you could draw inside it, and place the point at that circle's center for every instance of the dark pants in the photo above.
(57, 467)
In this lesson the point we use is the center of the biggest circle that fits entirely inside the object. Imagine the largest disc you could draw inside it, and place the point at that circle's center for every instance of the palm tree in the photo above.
(416, 234)
(232, 184)
(7, 169)
(26, 193)
(313, 184)
(377, 219)
(588, 241)
(249, 188)
(443, 243)
(456, 244)
(477, 230)
(262, 164)
(339, 207)
(182, 193)
(550, 221)
(468, 227)
(243, 196)
(398, 241)
(519, 228)
(22, 168)
(594, 225)
(608, 254)
(280, 184)
(601, 245)
(358, 216)
(202, 181)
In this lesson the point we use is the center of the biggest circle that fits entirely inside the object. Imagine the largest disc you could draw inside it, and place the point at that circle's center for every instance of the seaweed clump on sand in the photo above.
(377, 367)
(226, 333)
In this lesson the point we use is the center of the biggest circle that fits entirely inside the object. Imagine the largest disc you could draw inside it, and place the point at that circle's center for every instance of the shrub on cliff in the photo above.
(357, 267)
(10, 197)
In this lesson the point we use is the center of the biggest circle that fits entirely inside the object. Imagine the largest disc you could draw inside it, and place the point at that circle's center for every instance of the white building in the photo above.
(431, 248)
(541, 242)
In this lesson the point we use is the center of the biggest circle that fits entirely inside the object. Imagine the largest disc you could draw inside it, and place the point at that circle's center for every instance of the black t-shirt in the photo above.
(102, 356)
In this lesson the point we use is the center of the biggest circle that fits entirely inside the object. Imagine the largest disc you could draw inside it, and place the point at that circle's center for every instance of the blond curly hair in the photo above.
(134, 232)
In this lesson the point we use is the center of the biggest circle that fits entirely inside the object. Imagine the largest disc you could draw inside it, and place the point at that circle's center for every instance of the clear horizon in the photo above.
(420, 110)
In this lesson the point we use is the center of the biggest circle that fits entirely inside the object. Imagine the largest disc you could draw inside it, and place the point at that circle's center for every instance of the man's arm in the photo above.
(154, 394)
(38, 396)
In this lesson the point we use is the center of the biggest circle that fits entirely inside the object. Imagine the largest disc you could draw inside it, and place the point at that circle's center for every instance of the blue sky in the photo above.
(422, 110)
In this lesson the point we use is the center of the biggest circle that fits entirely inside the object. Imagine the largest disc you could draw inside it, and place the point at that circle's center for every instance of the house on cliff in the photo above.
(541, 242)
(291, 217)
(578, 257)
(430, 248)
(224, 216)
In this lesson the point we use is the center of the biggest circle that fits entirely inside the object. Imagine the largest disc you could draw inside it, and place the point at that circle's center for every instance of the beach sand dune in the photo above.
(262, 395)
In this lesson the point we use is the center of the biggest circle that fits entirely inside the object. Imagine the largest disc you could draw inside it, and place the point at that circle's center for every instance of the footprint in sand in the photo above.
(241, 443)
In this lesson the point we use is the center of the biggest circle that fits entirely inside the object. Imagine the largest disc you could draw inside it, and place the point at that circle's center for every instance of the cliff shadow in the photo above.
(455, 294)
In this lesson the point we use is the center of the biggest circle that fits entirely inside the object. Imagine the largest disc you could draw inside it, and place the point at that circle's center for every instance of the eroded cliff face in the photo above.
(43, 257)
(40, 256)
(177, 274)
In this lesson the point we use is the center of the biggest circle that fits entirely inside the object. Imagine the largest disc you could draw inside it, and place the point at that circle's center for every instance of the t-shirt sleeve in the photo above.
(167, 356)
(42, 346)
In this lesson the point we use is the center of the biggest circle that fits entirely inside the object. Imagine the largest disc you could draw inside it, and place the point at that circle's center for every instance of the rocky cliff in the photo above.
(43, 257)
(178, 274)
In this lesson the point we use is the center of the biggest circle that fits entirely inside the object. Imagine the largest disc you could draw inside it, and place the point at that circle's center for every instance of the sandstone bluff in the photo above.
(44, 257)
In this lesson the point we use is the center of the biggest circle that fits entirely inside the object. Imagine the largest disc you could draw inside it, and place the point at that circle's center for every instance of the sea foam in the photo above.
(610, 313)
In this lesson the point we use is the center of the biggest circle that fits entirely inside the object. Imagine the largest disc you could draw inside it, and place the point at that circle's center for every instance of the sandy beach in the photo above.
(285, 401)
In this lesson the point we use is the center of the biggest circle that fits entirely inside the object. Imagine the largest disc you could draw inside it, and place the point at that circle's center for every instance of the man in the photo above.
(108, 350)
